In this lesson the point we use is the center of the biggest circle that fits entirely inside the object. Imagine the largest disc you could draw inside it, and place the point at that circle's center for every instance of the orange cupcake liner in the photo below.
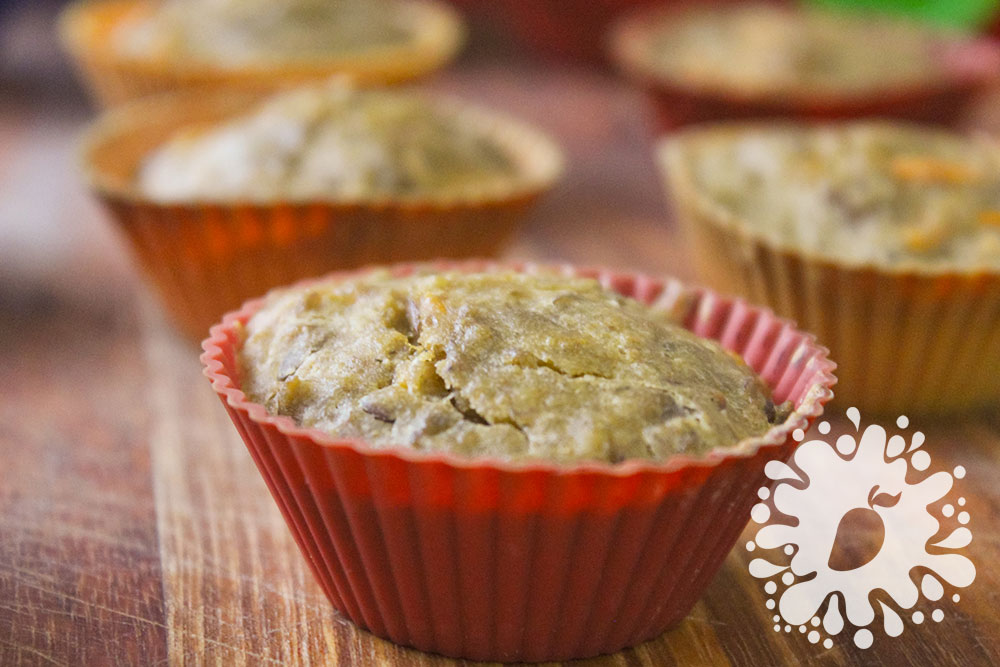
(87, 30)
(907, 340)
(492, 560)
(973, 66)
(204, 259)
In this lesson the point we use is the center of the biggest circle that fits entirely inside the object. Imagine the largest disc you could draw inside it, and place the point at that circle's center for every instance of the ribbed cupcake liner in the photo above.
(87, 30)
(907, 341)
(974, 66)
(490, 560)
(205, 259)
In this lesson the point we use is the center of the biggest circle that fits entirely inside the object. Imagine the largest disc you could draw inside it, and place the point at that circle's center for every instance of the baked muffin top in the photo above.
(505, 365)
(886, 194)
(761, 49)
(242, 32)
(331, 142)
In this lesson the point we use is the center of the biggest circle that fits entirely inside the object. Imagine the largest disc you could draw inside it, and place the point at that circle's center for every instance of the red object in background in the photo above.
(565, 30)
(488, 560)
(973, 66)
(994, 27)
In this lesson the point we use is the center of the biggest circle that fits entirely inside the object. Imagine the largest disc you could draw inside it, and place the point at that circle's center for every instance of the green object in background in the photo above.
(968, 14)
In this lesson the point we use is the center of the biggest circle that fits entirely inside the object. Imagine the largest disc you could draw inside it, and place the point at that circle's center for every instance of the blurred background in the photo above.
(540, 60)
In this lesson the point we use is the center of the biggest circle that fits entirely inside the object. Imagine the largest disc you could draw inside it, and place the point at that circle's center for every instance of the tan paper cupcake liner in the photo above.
(87, 31)
(906, 341)
(204, 258)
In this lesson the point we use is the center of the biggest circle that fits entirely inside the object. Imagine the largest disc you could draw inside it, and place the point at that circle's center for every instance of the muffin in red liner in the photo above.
(491, 560)
(970, 65)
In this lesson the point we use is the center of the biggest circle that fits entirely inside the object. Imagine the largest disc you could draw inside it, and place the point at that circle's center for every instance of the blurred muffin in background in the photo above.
(883, 239)
(253, 31)
(331, 143)
(763, 60)
(130, 48)
(225, 196)
(884, 194)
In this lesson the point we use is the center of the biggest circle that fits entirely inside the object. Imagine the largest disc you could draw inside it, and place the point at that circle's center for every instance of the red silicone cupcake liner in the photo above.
(492, 560)
(973, 64)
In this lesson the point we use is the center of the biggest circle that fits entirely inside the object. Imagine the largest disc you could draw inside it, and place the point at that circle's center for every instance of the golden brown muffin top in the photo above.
(331, 142)
(762, 49)
(504, 365)
(249, 32)
(868, 192)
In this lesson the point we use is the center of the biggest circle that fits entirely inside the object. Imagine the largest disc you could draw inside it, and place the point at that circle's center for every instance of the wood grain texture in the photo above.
(134, 528)
(79, 567)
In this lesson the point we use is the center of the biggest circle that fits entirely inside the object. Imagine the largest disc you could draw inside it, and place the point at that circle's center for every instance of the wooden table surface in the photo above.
(134, 528)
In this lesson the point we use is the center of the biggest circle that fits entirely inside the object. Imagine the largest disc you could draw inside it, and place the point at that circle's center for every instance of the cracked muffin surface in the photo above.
(506, 365)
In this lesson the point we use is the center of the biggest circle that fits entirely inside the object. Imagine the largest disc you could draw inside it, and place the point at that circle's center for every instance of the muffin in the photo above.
(506, 365)
(765, 60)
(255, 32)
(411, 419)
(331, 143)
(224, 196)
(884, 239)
(132, 48)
